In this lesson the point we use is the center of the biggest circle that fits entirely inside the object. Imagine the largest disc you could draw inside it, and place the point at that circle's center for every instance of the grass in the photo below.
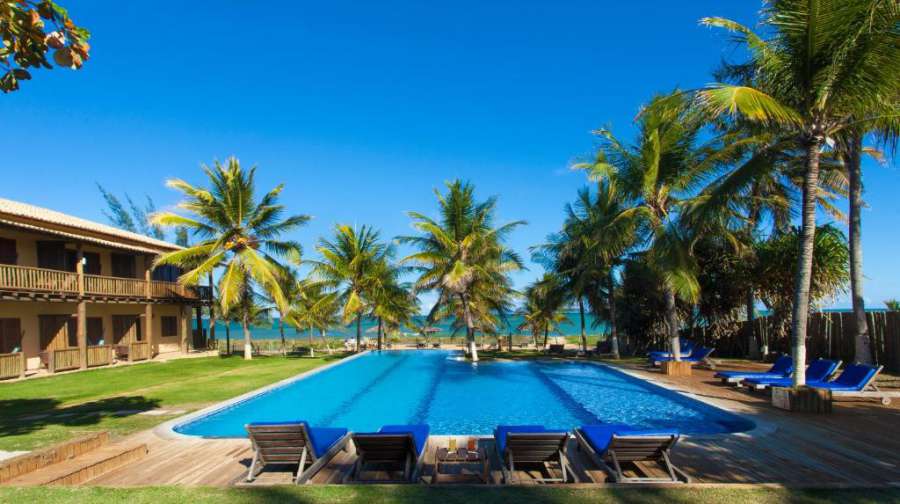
(44, 411)
(371, 494)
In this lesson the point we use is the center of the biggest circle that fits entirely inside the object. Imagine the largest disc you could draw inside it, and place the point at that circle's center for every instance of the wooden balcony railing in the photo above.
(99, 355)
(37, 279)
(28, 279)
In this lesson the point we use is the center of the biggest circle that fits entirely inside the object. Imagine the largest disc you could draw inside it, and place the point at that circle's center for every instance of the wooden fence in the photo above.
(829, 335)
(12, 365)
(99, 355)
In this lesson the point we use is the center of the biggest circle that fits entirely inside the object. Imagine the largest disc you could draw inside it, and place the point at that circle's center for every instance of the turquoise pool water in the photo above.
(454, 396)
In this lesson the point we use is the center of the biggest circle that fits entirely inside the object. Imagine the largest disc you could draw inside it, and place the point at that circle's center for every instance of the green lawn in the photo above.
(372, 494)
(43, 411)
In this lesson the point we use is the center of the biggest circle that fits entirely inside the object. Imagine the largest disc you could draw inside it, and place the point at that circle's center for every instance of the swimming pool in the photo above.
(454, 396)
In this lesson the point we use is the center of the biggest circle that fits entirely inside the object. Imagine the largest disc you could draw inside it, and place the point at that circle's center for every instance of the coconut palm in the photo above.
(822, 68)
(393, 305)
(314, 308)
(543, 310)
(461, 256)
(658, 175)
(235, 232)
(350, 264)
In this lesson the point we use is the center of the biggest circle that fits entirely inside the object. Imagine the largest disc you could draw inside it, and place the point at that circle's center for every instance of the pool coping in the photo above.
(166, 430)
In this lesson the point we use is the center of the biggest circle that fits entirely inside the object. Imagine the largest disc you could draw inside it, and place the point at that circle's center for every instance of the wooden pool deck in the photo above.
(857, 445)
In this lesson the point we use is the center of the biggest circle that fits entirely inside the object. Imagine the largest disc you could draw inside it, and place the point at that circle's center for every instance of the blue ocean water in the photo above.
(571, 327)
(455, 396)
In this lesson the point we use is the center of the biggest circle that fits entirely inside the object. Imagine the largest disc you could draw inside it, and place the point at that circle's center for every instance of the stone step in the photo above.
(85, 467)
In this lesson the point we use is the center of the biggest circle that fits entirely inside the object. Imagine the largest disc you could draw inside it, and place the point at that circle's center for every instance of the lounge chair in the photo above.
(819, 371)
(687, 348)
(293, 443)
(782, 368)
(435, 345)
(611, 445)
(556, 349)
(699, 355)
(858, 381)
(393, 445)
(531, 444)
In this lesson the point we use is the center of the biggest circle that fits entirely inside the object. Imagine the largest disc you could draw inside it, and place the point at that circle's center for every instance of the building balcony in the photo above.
(40, 283)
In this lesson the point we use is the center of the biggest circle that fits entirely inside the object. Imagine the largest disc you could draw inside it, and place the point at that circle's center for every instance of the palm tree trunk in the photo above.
(227, 337)
(613, 330)
(546, 336)
(752, 344)
(327, 346)
(672, 324)
(583, 333)
(281, 330)
(248, 346)
(803, 277)
(863, 345)
(212, 311)
(470, 328)
(380, 336)
(358, 330)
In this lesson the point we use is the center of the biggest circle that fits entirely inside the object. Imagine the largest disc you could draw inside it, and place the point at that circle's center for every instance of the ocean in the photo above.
(369, 328)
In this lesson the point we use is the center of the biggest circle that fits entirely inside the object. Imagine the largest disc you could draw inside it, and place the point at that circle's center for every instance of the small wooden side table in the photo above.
(460, 457)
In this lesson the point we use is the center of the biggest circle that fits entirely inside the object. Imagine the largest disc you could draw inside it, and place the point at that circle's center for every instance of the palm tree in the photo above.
(315, 307)
(657, 174)
(290, 286)
(461, 256)
(350, 263)
(823, 68)
(235, 232)
(543, 312)
(392, 302)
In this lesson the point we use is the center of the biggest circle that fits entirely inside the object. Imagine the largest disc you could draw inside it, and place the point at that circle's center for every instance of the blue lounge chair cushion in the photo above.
(782, 368)
(600, 435)
(502, 430)
(321, 438)
(419, 434)
(687, 348)
(854, 378)
(697, 355)
(816, 373)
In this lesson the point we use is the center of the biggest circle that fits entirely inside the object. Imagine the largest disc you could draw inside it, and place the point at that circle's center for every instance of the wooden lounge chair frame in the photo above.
(387, 448)
(869, 391)
(288, 443)
(631, 449)
(535, 447)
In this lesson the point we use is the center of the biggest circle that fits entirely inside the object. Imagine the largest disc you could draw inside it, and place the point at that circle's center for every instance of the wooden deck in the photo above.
(856, 445)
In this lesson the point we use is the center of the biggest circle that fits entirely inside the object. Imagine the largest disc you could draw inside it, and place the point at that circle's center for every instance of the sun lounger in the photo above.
(612, 445)
(782, 368)
(400, 446)
(556, 349)
(819, 371)
(699, 355)
(531, 444)
(858, 381)
(293, 443)
(687, 348)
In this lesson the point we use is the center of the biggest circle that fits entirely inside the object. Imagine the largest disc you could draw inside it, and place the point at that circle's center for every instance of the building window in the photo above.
(95, 331)
(123, 265)
(10, 335)
(8, 253)
(169, 326)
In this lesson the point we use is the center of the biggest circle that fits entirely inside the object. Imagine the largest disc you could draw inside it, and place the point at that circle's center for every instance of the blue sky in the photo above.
(363, 108)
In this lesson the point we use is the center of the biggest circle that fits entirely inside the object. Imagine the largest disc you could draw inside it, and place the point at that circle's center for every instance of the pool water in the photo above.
(453, 396)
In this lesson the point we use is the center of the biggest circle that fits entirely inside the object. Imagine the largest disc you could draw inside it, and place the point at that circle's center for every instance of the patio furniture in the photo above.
(698, 355)
(436, 345)
(293, 443)
(817, 372)
(782, 368)
(531, 444)
(858, 381)
(687, 348)
(556, 349)
(396, 446)
(612, 445)
(445, 458)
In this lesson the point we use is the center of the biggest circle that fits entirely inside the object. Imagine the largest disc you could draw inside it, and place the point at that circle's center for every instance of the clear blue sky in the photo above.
(362, 108)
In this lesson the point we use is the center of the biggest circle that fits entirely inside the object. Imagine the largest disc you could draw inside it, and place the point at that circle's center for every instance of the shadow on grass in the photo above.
(23, 416)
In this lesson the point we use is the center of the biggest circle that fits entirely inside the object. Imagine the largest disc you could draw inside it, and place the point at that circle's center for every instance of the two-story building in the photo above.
(76, 293)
